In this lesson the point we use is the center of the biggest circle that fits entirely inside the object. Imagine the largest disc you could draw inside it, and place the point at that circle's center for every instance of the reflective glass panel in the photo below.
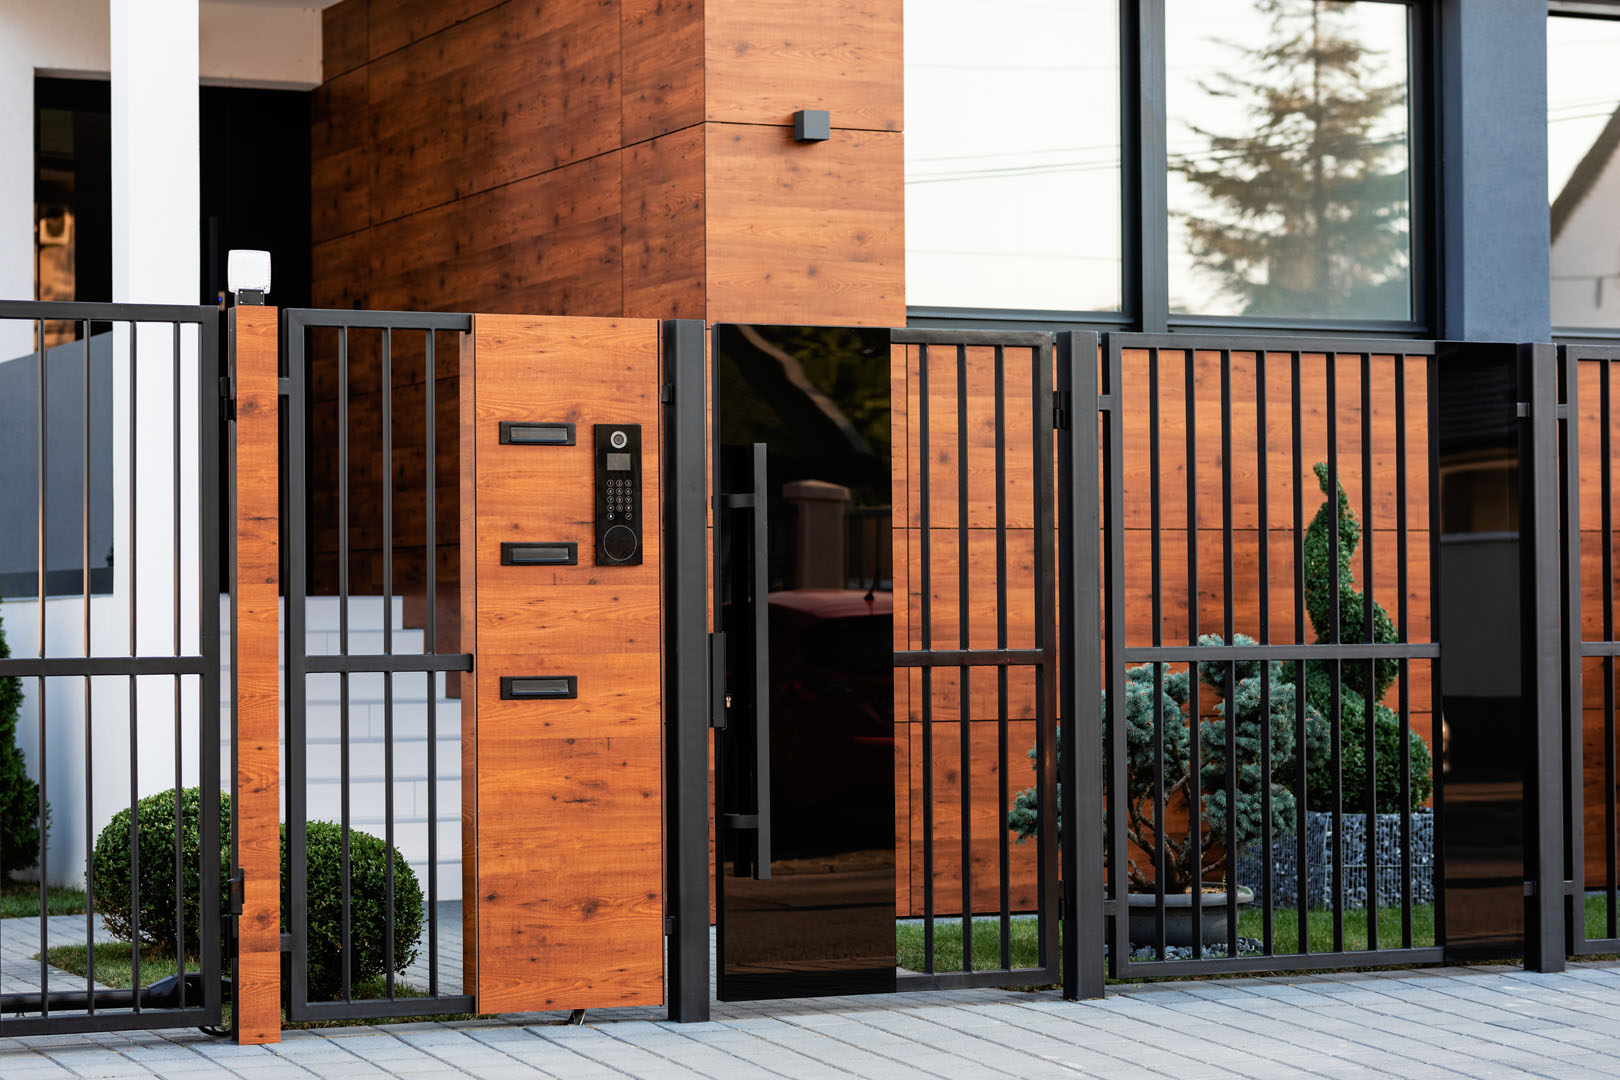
(1012, 154)
(1289, 182)
(1583, 170)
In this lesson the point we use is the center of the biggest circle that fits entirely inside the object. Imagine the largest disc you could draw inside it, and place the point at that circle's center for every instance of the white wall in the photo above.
(1586, 257)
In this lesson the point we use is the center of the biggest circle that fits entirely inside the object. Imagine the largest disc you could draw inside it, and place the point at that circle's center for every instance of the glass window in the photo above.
(1583, 170)
(1012, 154)
(1289, 178)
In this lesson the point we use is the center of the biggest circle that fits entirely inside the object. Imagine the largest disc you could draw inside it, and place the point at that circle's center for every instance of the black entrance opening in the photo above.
(804, 772)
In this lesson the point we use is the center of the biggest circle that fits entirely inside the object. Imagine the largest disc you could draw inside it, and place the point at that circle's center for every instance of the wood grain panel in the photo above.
(398, 23)
(661, 44)
(808, 233)
(255, 640)
(570, 884)
(344, 29)
(766, 59)
(342, 271)
(664, 264)
(340, 170)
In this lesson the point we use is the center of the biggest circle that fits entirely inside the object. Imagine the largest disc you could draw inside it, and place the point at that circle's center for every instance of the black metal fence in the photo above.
(1587, 444)
(167, 359)
(369, 347)
(1010, 636)
(1252, 664)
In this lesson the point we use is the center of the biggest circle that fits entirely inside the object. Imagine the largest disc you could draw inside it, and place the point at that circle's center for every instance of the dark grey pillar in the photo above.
(1493, 221)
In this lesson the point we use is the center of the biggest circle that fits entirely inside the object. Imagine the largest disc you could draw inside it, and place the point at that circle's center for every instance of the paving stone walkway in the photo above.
(1478, 1022)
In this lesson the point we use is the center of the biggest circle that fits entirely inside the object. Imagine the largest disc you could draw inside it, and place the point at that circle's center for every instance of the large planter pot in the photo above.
(1178, 922)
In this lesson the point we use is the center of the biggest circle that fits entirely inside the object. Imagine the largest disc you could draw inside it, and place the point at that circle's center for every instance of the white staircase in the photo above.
(368, 778)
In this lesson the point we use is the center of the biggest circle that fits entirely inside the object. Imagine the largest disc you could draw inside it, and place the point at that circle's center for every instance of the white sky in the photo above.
(1012, 141)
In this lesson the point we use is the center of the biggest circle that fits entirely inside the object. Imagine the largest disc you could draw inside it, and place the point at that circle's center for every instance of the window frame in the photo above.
(1584, 9)
(1144, 201)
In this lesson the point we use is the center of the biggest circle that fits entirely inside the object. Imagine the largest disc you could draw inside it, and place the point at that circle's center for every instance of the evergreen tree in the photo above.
(19, 795)
(1309, 204)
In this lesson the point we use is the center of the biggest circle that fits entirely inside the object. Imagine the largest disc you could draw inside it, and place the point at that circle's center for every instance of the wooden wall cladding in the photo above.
(765, 59)
(569, 793)
(805, 233)
(665, 269)
(662, 60)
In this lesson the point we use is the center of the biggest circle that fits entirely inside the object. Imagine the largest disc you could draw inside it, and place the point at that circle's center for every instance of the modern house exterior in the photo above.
(1366, 179)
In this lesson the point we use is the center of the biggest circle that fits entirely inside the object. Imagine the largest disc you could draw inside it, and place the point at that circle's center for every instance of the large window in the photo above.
(1012, 154)
(1268, 179)
(1583, 170)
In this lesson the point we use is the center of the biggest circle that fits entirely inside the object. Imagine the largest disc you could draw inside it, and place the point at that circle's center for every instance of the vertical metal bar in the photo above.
(1046, 640)
(179, 728)
(295, 646)
(1335, 719)
(965, 673)
(1370, 695)
(1436, 697)
(388, 648)
(926, 635)
(1155, 546)
(1570, 585)
(1611, 833)
(1002, 748)
(1080, 614)
(431, 635)
(1114, 658)
(345, 733)
(1301, 764)
(40, 746)
(89, 723)
(134, 650)
(1263, 570)
(1403, 631)
(1195, 830)
(208, 636)
(1227, 636)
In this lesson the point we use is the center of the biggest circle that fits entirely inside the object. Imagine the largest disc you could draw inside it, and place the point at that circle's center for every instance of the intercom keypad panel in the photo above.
(619, 519)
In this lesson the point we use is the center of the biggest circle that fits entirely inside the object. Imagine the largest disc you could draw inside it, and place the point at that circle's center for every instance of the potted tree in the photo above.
(1151, 839)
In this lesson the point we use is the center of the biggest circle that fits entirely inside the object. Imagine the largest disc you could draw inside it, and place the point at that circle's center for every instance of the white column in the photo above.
(155, 211)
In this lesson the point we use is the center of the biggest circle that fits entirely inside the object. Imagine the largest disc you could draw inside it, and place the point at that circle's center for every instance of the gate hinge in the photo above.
(669, 926)
(1523, 409)
(719, 700)
(1060, 410)
(227, 397)
(234, 891)
(666, 393)
(1530, 889)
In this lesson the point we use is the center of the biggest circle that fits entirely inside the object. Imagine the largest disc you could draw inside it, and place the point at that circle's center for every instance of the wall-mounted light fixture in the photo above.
(811, 125)
(247, 275)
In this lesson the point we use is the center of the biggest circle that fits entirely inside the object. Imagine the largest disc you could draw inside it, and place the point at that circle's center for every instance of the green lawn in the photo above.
(113, 968)
(20, 900)
(1285, 934)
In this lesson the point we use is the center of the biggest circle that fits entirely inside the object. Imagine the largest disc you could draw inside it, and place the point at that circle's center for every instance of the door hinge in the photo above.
(1060, 410)
(234, 891)
(719, 700)
(669, 926)
(227, 397)
(666, 393)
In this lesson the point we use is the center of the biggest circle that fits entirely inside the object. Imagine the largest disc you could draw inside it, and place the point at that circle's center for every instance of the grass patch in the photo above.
(1319, 928)
(20, 900)
(1023, 943)
(115, 968)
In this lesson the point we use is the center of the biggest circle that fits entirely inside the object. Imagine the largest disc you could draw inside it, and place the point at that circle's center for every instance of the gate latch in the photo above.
(233, 887)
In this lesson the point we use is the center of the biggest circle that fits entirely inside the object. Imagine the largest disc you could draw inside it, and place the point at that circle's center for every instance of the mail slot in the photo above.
(528, 433)
(538, 687)
(540, 553)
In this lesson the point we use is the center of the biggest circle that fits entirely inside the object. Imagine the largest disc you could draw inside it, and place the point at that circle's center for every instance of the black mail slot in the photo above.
(536, 687)
(540, 553)
(528, 433)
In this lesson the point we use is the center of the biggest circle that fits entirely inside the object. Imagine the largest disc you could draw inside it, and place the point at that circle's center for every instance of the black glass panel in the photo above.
(807, 909)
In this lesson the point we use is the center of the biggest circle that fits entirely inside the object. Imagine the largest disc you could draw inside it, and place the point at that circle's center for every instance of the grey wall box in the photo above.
(812, 125)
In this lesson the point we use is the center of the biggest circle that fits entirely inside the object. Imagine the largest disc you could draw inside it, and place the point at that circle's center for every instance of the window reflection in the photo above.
(1012, 154)
(1583, 170)
(1289, 186)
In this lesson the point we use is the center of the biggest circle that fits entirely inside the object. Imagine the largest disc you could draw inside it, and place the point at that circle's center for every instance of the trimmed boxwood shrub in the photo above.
(367, 890)
(19, 795)
(368, 897)
(111, 869)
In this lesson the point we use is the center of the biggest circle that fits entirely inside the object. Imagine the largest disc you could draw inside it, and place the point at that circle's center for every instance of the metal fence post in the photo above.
(1080, 764)
(686, 691)
(1544, 804)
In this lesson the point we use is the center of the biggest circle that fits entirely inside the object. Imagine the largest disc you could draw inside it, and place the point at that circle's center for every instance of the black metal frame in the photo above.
(296, 324)
(1042, 658)
(169, 1003)
(1112, 404)
(1577, 649)
(1144, 201)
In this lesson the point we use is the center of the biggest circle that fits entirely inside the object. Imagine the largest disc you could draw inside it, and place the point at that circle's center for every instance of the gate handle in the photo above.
(760, 610)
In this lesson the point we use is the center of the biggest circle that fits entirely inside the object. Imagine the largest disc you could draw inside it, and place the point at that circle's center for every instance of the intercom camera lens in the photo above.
(618, 439)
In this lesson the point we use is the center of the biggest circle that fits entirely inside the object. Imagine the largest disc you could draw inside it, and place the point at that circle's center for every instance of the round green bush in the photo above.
(110, 869)
(368, 900)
